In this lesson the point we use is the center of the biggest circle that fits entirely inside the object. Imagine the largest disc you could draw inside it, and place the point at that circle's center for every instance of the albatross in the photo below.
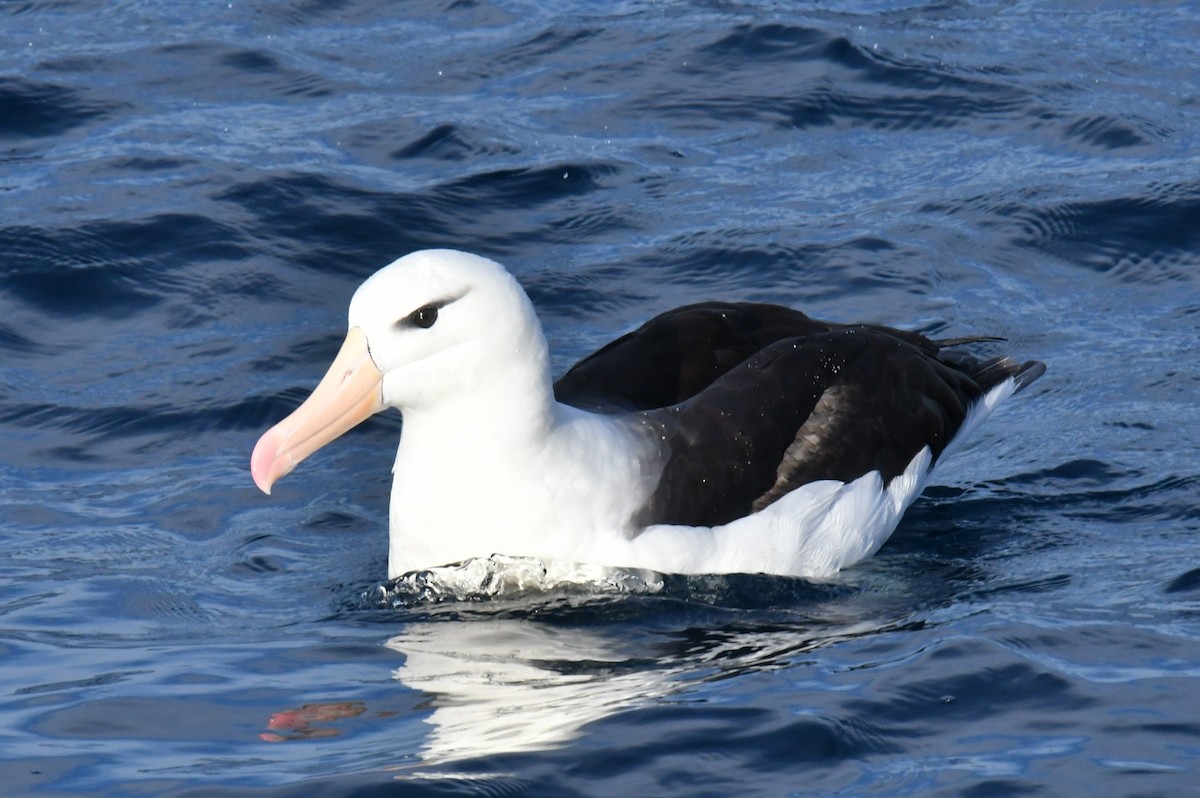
(722, 437)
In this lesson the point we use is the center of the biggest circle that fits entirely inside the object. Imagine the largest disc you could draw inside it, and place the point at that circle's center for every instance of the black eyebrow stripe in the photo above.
(403, 321)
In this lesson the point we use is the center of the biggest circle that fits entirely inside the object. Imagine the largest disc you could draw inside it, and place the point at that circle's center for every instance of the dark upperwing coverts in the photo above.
(788, 400)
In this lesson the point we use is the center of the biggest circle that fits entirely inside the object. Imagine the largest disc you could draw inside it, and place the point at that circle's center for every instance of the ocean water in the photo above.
(190, 193)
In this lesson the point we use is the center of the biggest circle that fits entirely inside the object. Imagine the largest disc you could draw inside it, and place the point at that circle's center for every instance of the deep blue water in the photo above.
(190, 193)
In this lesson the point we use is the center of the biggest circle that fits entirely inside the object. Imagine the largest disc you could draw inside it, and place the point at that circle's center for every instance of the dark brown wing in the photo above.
(753, 401)
(676, 355)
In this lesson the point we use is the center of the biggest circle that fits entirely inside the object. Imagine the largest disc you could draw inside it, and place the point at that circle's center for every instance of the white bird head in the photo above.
(433, 329)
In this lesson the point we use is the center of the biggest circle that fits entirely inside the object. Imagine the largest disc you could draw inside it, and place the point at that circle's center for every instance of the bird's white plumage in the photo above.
(489, 462)
(464, 491)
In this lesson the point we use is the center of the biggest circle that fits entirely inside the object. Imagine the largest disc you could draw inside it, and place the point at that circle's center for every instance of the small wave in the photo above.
(827, 80)
(113, 268)
(35, 109)
(325, 223)
(766, 42)
(544, 582)
(1187, 582)
(216, 72)
(500, 576)
(1149, 238)
(1105, 133)
(448, 142)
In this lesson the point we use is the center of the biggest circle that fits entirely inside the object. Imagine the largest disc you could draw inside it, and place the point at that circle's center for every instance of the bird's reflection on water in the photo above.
(525, 670)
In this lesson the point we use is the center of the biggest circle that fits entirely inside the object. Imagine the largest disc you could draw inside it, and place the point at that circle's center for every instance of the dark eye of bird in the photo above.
(423, 317)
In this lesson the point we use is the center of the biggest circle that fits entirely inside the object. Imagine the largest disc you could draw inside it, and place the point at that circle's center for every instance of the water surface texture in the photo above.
(190, 193)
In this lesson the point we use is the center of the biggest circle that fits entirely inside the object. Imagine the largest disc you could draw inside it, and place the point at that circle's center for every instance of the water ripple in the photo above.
(36, 109)
(193, 191)
(1149, 239)
(111, 269)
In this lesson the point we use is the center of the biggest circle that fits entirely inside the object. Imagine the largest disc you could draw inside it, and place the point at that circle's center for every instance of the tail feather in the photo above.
(990, 372)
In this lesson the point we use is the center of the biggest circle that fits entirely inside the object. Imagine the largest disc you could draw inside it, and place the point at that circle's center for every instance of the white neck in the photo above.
(509, 470)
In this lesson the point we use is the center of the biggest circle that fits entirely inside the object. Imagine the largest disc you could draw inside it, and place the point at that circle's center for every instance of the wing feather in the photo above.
(753, 401)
